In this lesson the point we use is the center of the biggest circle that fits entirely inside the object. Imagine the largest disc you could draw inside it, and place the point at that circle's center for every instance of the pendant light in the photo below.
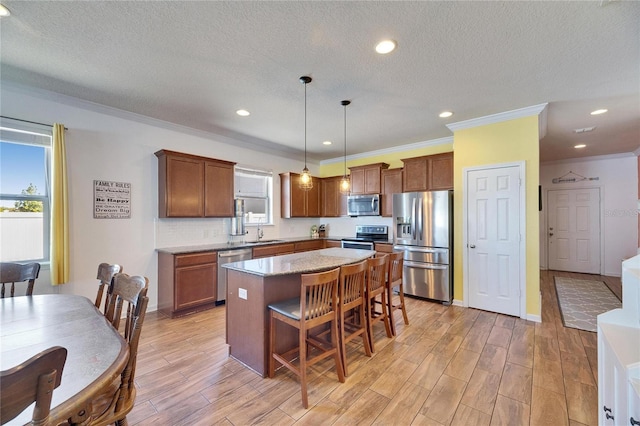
(306, 181)
(345, 184)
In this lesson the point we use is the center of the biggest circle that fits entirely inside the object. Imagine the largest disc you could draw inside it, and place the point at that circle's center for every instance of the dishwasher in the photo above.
(224, 257)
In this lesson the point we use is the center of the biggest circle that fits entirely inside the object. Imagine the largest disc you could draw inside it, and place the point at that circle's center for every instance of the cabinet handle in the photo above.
(607, 409)
(608, 416)
(634, 421)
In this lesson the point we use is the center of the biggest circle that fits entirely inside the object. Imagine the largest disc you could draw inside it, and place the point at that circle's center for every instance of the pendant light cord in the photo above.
(345, 139)
(305, 124)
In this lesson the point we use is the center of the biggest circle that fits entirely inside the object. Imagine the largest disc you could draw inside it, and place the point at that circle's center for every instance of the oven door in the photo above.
(362, 245)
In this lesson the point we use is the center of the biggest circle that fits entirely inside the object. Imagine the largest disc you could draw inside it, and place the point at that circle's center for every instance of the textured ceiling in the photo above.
(196, 63)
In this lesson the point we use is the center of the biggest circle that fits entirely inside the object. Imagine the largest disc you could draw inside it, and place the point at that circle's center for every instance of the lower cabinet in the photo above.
(273, 250)
(187, 283)
(309, 245)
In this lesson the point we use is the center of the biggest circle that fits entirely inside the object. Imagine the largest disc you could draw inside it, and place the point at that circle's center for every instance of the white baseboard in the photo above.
(457, 302)
(534, 318)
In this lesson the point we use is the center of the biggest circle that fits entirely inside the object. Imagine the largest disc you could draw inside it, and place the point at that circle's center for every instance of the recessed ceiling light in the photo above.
(327, 143)
(580, 146)
(599, 111)
(385, 46)
(243, 112)
(445, 114)
(584, 129)
(4, 11)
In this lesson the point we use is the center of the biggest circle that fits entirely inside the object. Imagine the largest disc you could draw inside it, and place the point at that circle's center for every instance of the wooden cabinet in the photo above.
(391, 184)
(193, 186)
(295, 202)
(427, 173)
(366, 179)
(273, 250)
(187, 283)
(332, 243)
(383, 247)
(309, 245)
(334, 203)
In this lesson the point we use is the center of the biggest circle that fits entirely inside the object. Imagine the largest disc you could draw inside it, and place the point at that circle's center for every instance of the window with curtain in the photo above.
(255, 187)
(25, 160)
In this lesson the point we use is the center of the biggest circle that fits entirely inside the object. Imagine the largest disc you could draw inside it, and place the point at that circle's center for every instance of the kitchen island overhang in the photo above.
(253, 284)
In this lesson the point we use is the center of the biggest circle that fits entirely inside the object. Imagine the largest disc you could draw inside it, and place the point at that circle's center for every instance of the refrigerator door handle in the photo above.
(424, 265)
(413, 219)
(420, 219)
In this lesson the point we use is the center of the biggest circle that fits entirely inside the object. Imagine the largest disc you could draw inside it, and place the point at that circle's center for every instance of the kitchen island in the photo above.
(253, 284)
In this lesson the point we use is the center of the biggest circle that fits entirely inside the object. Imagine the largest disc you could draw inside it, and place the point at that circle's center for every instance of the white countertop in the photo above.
(297, 263)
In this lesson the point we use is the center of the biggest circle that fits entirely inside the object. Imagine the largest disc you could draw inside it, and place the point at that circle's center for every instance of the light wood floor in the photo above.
(450, 365)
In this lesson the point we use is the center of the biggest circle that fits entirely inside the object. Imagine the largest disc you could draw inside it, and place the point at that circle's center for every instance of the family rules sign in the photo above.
(111, 200)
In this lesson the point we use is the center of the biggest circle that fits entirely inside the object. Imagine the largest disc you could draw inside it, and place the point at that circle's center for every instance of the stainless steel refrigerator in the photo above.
(423, 229)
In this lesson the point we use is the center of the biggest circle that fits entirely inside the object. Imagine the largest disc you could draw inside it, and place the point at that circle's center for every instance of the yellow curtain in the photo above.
(59, 209)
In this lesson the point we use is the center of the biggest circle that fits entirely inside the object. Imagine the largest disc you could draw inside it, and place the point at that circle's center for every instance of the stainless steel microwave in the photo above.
(363, 205)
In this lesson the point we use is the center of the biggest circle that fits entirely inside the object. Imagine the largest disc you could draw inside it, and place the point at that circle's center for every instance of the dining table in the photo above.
(96, 352)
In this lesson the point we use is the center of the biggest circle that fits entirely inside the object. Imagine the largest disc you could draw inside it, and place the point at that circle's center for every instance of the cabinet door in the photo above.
(309, 245)
(357, 180)
(313, 200)
(330, 200)
(440, 169)
(195, 285)
(218, 189)
(184, 187)
(415, 174)
(372, 180)
(391, 184)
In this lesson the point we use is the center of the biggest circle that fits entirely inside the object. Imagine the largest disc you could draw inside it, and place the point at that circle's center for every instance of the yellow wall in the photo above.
(393, 159)
(508, 141)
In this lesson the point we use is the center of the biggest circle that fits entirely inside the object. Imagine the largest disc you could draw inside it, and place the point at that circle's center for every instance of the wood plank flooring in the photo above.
(450, 365)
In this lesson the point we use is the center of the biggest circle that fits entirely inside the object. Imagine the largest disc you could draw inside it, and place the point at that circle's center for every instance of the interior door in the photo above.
(493, 235)
(574, 230)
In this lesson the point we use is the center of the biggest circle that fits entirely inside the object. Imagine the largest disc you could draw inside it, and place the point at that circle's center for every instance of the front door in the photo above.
(574, 230)
(493, 230)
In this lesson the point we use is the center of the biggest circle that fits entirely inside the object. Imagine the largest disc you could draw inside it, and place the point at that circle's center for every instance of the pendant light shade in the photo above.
(345, 184)
(306, 181)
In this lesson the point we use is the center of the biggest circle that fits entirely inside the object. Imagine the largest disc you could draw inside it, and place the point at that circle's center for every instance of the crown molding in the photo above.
(591, 158)
(506, 116)
(383, 151)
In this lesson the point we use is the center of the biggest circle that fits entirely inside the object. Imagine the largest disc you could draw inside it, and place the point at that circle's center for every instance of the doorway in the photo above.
(494, 257)
(573, 230)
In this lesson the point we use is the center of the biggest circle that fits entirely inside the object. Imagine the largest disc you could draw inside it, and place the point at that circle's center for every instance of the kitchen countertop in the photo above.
(297, 263)
(239, 245)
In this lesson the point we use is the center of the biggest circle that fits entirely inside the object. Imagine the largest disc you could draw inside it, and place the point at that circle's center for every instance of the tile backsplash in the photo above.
(186, 232)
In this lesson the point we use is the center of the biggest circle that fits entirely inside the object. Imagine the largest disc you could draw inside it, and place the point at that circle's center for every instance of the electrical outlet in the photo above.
(242, 293)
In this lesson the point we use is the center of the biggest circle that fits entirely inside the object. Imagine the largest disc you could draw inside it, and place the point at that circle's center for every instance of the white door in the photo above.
(574, 230)
(493, 230)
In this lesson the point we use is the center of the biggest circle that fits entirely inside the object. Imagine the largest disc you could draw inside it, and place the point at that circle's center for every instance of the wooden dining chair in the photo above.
(376, 293)
(394, 280)
(32, 381)
(12, 273)
(351, 309)
(315, 307)
(105, 275)
(131, 290)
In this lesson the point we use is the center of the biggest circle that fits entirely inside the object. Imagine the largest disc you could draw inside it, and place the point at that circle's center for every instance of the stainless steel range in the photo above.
(366, 237)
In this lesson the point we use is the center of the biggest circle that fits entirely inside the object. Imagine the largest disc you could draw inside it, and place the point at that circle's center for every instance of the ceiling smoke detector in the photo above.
(584, 129)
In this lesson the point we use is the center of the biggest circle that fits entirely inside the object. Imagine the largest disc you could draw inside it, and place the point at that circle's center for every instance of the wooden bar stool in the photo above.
(394, 279)
(376, 287)
(351, 297)
(316, 306)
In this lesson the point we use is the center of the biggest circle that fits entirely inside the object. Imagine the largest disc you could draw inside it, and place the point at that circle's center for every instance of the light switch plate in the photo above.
(242, 293)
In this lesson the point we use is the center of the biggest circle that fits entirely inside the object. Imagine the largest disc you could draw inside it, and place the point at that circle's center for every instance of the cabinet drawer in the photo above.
(196, 258)
(273, 250)
(309, 245)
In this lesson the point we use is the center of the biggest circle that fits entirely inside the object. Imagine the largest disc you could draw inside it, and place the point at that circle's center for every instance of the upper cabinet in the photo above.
(391, 184)
(334, 203)
(366, 179)
(193, 186)
(430, 172)
(296, 202)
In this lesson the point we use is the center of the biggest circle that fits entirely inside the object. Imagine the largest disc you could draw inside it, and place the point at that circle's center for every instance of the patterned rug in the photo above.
(581, 301)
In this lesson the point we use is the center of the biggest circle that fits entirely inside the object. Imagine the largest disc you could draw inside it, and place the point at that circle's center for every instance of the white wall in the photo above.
(112, 145)
(618, 177)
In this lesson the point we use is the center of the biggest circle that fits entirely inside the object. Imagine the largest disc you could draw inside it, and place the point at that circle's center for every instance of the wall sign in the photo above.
(111, 200)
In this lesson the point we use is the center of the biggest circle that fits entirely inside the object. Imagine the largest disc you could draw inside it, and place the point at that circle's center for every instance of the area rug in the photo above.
(581, 301)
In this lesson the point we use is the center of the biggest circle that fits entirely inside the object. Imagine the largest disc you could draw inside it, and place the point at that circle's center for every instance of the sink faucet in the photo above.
(259, 231)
